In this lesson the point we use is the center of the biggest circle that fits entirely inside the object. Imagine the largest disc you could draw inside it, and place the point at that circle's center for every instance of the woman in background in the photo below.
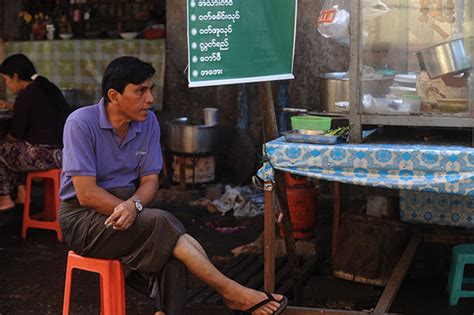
(39, 112)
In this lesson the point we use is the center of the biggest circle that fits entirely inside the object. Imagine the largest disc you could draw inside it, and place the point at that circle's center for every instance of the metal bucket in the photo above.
(451, 57)
(184, 137)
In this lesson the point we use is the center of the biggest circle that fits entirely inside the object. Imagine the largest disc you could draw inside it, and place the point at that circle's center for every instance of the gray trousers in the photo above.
(145, 249)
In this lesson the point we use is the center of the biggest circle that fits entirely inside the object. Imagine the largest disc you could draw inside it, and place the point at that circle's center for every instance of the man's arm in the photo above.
(122, 212)
(148, 189)
(125, 213)
(92, 196)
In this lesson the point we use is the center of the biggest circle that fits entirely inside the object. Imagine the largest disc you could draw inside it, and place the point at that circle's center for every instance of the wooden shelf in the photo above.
(108, 15)
(407, 120)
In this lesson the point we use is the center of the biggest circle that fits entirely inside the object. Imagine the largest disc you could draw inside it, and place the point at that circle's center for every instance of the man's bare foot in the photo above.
(6, 203)
(245, 298)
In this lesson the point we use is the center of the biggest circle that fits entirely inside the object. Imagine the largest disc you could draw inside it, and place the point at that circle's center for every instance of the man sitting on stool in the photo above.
(111, 161)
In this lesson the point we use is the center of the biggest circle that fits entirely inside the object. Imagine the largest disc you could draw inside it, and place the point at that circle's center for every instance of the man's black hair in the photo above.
(125, 70)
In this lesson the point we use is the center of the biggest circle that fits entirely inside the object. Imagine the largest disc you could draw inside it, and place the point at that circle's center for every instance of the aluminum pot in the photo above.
(450, 57)
(334, 87)
(184, 137)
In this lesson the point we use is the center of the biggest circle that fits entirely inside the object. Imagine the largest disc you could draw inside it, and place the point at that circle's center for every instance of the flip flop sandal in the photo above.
(283, 304)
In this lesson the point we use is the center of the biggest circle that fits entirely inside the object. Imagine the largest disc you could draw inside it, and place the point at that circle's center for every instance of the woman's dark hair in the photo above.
(123, 71)
(19, 64)
(24, 68)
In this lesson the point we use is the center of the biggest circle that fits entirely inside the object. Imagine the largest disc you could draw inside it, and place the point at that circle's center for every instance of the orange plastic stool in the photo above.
(48, 218)
(112, 283)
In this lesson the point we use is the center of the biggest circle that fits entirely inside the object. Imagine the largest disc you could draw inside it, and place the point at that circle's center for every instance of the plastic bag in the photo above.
(373, 9)
(334, 20)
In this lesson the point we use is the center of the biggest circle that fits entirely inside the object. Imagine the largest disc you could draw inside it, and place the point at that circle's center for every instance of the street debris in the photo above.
(245, 201)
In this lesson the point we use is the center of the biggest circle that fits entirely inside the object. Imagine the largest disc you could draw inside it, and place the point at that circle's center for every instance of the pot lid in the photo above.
(335, 75)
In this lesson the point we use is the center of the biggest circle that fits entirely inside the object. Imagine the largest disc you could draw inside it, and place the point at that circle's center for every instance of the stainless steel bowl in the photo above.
(450, 57)
(185, 137)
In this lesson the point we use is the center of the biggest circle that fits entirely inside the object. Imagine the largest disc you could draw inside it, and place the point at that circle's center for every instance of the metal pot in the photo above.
(450, 57)
(334, 87)
(184, 137)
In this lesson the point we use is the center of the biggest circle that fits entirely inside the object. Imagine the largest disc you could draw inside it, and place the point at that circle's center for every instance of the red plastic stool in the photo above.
(48, 218)
(112, 283)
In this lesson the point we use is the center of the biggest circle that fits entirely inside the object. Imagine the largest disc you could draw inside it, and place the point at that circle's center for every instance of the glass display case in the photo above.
(411, 65)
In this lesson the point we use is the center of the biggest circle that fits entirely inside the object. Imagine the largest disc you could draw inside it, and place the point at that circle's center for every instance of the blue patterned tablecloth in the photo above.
(434, 208)
(439, 169)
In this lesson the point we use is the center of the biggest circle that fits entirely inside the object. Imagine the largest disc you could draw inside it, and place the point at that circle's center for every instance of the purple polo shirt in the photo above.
(93, 148)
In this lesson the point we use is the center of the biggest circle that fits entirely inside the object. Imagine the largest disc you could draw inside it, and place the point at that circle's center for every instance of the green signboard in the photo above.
(239, 41)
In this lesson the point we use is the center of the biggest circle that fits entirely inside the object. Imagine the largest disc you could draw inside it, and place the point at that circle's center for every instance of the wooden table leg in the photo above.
(336, 217)
(290, 243)
(294, 310)
(269, 239)
(396, 279)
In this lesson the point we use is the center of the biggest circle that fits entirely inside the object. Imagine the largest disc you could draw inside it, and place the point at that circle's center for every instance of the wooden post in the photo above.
(289, 240)
(396, 279)
(271, 132)
(269, 239)
(355, 130)
(336, 217)
(269, 117)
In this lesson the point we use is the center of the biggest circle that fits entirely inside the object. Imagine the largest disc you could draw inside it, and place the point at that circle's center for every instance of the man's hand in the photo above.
(123, 216)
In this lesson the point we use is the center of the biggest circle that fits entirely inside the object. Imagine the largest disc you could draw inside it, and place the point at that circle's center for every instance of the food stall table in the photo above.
(80, 64)
(426, 168)
(5, 123)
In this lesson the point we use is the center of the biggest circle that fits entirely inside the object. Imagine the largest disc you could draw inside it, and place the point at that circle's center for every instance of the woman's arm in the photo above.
(11, 139)
(6, 105)
(9, 106)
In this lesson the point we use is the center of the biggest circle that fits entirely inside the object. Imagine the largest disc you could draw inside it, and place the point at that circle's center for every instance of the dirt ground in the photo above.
(32, 271)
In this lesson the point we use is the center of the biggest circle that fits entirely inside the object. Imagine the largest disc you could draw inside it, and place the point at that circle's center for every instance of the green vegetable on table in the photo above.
(338, 132)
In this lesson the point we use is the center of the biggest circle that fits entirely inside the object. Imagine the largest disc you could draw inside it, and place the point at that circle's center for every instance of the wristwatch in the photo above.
(138, 204)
